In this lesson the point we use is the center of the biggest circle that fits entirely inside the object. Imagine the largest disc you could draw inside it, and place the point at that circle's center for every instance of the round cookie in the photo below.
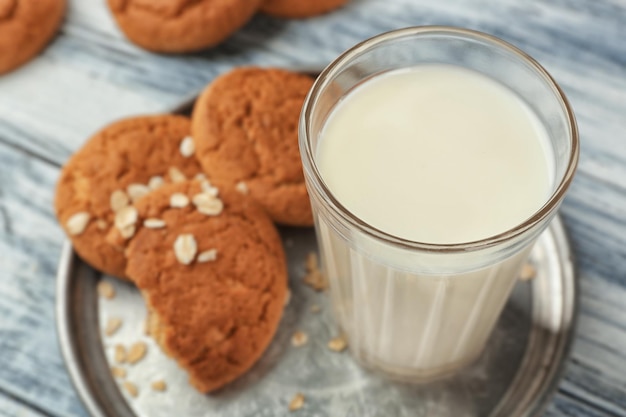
(215, 282)
(296, 9)
(117, 165)
(26, 26)
(245, 126)
(181, 25)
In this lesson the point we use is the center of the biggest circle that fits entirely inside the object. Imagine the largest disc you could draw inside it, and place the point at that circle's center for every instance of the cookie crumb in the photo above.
(176, 175)
(299, 338)
(287, 298)
(112, 326)
(120, 354)
(185, 248)
(159, 385)
(179, 200)
(155, 182)
(242, 187)
(136, 353)
(297, 402)
(314, 277)
(118, 200)
(118, 372)
(528, 272)
(77, 223)
(315, 309)
(131, 389)
(187, 147)
(311, 263)
(207, 256)
(338, 344)
(316, 280)
(154, 223)
(126, 216)
(106, 290)
(101, 224)
(136, 191)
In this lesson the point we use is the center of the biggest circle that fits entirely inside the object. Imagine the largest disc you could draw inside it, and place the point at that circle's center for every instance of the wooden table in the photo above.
(91, 75)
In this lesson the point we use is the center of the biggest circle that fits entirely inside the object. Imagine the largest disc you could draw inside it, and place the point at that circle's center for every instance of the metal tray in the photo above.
(515, 376)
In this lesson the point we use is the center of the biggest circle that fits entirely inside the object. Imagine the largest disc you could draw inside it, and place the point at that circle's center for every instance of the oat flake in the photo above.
(125, 217)
(528, 272)
(131, 388)
(76, 224)
(136, 353)
(185, 248)
(118, 200)
(154, 223)
(297, 402)
(106, 290)
(136, 191)
(207, 256)
(118, 372)
(159, 385)
(176, 175)
(155, 182)
(179, 200)
(338, 344)
(128, 231)
(120, 354)
(299, 338)
(242, 187)
(112, 326)
(187, 147)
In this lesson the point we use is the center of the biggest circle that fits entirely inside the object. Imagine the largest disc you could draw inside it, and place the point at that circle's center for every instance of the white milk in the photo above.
(434, 154)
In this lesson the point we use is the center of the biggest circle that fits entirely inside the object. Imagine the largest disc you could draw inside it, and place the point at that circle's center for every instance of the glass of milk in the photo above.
(434, 157)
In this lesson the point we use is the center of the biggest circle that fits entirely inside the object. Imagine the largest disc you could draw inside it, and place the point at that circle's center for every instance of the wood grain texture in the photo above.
(31, 367)
(10, 407)
(91, 75)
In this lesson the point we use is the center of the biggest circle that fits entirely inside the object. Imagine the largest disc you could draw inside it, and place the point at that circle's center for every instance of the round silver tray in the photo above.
(515, 376)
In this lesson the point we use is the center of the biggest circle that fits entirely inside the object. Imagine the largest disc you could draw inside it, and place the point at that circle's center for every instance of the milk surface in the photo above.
(436, 154)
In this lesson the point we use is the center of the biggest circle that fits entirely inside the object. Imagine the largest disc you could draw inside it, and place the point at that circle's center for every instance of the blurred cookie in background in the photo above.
(181, 25)
(26, 27)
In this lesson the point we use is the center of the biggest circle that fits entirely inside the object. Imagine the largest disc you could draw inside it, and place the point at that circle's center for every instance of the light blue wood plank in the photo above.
(31, 367)
(564, 405)
(12, 408)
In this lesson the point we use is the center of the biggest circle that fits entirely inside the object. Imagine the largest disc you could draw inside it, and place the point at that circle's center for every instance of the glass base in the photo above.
(412, 375)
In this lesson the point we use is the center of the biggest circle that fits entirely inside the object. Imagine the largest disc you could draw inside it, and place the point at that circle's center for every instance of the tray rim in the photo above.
(65, 338)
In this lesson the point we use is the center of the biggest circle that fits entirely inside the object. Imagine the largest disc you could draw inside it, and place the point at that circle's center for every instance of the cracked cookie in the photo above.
(245, 127)
(181, 25)
(25, 28)
(213, 274)
(118, 165)
(299, 8)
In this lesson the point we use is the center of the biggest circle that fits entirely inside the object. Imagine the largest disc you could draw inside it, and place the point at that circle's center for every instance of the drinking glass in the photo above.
(415, 310)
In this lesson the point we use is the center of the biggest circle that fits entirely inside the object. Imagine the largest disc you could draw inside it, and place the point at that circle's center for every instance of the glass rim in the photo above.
(347, 216)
